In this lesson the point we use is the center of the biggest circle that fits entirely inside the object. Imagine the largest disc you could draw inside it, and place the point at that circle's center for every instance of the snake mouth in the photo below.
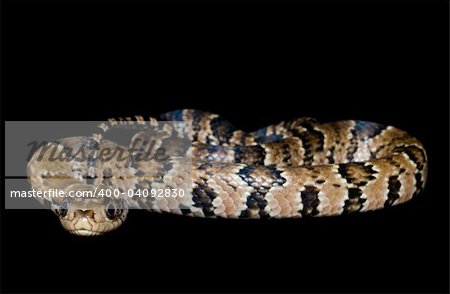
(83, 232)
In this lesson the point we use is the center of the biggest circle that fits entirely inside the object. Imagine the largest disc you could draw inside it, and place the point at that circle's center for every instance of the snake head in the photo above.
(63, 165)
(84, 215)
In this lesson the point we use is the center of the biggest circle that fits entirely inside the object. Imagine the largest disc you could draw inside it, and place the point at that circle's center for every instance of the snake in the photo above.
(292, 169)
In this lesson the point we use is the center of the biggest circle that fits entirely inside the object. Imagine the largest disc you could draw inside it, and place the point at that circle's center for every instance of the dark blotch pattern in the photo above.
(196, 127)
(185, 210)
(354, 203)
(365, 173)
(357, 174)
(249, 154)
(312, 141)
(222, 129)
(417, 155)
(202, 195)
(286, 152)
(310, 201)
(256, 200)
(394, 186)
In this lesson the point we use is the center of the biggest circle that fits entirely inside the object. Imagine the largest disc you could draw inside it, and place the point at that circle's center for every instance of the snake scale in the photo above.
(296, 168)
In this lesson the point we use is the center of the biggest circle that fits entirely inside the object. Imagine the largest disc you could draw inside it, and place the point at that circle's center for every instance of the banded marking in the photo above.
(357, 175)
(310, 201)
(313, 142)
(203, 196)
(393, 195)
(262, 179)
(418, 157)
(221, 129)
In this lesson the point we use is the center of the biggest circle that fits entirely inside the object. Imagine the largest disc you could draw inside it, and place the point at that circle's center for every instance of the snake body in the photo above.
(296, 168)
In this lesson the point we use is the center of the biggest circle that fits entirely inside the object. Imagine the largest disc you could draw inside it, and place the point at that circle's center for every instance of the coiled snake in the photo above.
(296, 168)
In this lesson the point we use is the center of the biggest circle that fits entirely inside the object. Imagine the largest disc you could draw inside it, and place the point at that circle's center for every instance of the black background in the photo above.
(256, 63)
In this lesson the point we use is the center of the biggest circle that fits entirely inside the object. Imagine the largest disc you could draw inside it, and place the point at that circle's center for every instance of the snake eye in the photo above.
(114, 209)
(63, 208)
(111, 210)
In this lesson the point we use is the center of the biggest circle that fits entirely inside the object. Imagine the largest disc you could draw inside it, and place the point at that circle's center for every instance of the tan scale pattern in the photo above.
(356, 166)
